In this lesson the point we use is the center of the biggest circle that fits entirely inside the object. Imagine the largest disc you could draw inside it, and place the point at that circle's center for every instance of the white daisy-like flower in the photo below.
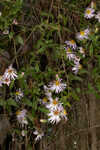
(69, 53)
(19, 94)
(10, 73)
(38, 134)
(57, 86)
(98, 16)
(6, 80)
(76, 68)
(54, 116)
(53, 104)
(82, 51)
(71, 44)
(21, 116)
(83, 34)
(89, 13)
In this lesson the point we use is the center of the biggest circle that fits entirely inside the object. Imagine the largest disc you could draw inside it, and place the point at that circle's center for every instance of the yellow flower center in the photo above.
(18, 112)
(56, 112)
(80, 66)
(10, 71)
(88, 12)
(55, 102)
(65, 113)
(57, 83)
(72, 42)
(17, 92)
(69, 50)
(45, 99)
(82, 33)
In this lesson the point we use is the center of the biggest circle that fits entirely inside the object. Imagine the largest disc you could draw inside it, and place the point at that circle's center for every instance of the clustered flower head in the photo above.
(82, 35)
(55, 107)
(9, 75)
(57, 86)
(57, 114)
(71, 55)
(90, 12)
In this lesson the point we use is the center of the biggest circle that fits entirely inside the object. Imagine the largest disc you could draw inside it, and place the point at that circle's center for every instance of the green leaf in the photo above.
(11, 102)
(19, 40)
(37, 68)
(78, 90)
(44, 110)
(77, 78)
(68, 104)
(11, 84)
(30, 117)
(91, 50)
(2, 102)
(27, 102)
(11, 35)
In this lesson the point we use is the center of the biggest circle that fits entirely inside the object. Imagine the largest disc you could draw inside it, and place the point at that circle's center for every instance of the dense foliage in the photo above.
(47, 49)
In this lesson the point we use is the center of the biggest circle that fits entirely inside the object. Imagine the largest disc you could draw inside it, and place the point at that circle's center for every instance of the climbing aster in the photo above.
(54, 116)
(89, 13)
(53, 104)
(71, 44)
(83, 34)
(10, 73)
(57, 86)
